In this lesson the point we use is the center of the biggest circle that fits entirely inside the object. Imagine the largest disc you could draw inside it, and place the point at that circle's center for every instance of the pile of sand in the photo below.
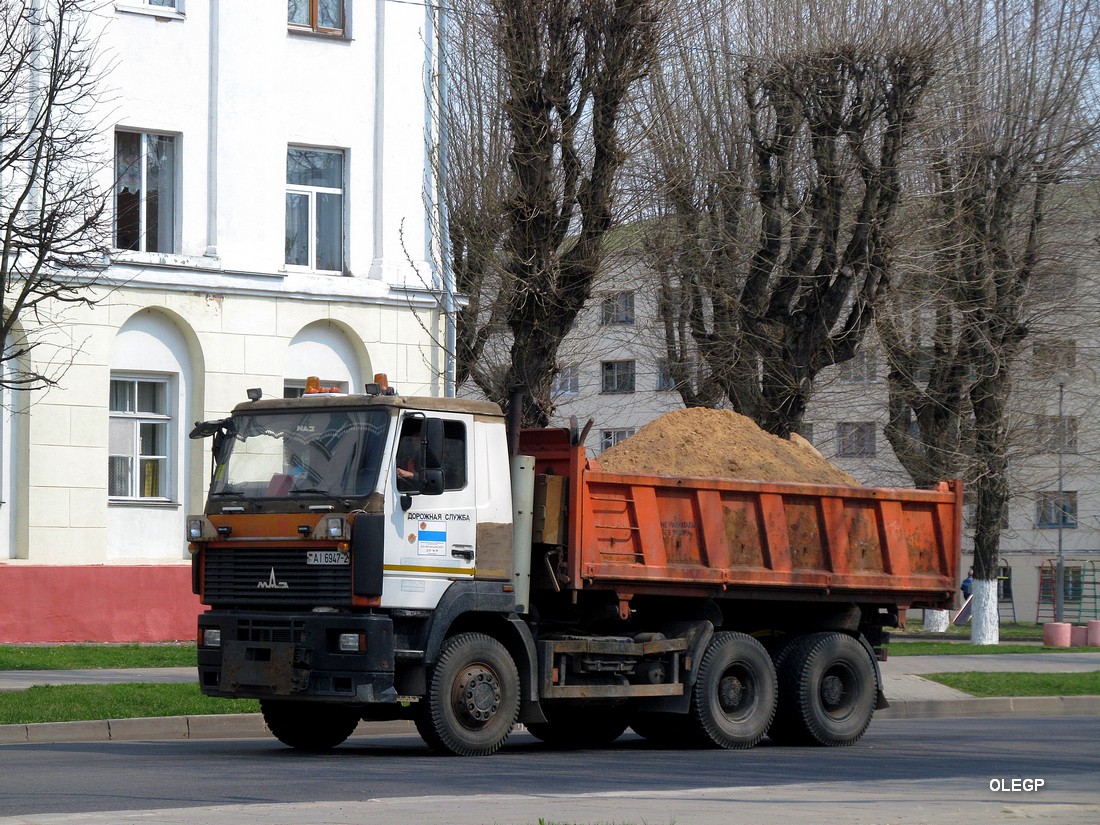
(719, 444)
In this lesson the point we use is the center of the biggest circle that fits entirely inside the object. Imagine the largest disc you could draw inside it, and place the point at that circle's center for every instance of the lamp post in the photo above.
(1060, 378)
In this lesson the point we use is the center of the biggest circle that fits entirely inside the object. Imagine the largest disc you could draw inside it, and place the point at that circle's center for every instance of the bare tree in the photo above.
(535, 124)
(53, 212)
(1017, 111)
(778, 142)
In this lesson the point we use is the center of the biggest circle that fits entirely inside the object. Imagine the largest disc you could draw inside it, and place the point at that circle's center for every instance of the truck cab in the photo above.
(334, 528)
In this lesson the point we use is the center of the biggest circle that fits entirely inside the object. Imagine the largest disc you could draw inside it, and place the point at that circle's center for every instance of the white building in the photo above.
(271, 222)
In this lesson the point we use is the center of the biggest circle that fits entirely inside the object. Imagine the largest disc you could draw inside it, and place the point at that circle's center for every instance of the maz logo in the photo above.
(272, 584)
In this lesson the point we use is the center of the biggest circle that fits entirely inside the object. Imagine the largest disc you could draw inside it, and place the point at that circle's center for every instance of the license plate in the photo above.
(326, 557)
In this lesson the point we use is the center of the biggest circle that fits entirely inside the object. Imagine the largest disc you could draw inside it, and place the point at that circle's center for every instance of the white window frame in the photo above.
(621, 372)
(170, 10)
(1048, 511)
(1054, 434)
(617, 309)
(1050, 356)
(312, 193)
(846, 434)
(567, 381)
(609, 438)
(665, 381)
(861, 368)
(136, 418)
(167, 245)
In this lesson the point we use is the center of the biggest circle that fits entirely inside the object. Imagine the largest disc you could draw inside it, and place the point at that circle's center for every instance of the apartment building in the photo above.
(269, 178)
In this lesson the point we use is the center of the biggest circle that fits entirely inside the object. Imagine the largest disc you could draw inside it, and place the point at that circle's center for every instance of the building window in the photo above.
(321, 16)
(139, 438)
(859, 369)
(1056, 435)
(1048, 513)
(1052, 356)
(315, 208)
(609, 438)
(145, 192)
(617, 376)
(567, 381)
(617, 309)
(665, 381)
(856, 439)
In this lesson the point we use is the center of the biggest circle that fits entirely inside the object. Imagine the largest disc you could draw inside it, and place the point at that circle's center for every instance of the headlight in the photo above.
(352, 643)
(211, 637)
(194, 529)
(336, 528)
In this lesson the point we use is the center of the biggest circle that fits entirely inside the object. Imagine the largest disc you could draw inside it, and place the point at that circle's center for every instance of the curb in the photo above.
(992, 706)
(251, 725)
(216, 726)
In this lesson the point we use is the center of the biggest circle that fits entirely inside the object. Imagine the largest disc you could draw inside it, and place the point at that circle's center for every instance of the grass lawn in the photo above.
(80, 657)
(899, 648)
(1021, 684)
(1009, 632)
(70, 703)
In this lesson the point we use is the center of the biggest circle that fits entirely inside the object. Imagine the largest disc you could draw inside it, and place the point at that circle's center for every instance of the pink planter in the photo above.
(1078, 636)
(1057, 634)
(1092, 634)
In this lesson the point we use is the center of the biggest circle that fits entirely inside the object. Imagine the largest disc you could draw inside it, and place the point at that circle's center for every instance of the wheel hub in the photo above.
(832, 692)
(476, 695)
(732, 693)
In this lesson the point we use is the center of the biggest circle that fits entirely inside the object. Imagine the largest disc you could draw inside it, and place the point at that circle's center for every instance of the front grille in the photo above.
(272, 577)
(270, 630)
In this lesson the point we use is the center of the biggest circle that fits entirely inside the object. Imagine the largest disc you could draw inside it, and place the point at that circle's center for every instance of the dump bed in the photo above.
(746, 539)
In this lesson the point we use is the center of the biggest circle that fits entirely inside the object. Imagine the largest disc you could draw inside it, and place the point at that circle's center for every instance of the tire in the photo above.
(734, 695)
(473, 697)
(827, 691)
(579, 727)
(308, 726)
(786, 729)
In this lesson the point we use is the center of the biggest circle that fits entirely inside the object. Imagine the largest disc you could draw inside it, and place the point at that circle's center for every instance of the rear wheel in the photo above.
(733, 699)
(827, 691)
(578, 726)
(308, 726)
(473, 697)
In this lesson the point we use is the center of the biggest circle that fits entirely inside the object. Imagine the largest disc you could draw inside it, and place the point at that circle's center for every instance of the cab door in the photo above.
(430, 508)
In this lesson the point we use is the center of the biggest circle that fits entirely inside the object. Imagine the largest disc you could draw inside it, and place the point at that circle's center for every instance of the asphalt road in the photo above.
(902, 771)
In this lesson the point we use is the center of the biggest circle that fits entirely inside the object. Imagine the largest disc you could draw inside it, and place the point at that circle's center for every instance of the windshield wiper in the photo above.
(318, 492)
(231, 494)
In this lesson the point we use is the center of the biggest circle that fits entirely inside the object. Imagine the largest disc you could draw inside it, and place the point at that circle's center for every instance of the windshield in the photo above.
(320, 452)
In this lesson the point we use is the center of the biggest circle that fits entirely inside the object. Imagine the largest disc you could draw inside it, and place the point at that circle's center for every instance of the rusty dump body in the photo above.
(719, 538)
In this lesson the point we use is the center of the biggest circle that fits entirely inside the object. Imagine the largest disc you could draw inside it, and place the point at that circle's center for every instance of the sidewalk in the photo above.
(910, 697)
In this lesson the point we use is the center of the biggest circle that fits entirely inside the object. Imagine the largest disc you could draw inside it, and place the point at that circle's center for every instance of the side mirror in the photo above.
(431, 482)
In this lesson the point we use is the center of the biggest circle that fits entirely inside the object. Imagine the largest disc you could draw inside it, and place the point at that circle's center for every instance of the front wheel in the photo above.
(733, 699)
(307, 726)
(473, 697)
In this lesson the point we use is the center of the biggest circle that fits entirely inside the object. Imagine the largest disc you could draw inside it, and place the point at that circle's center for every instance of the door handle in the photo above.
(463, 551)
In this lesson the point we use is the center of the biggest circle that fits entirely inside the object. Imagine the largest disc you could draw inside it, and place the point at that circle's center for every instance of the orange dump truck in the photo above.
(381, 557)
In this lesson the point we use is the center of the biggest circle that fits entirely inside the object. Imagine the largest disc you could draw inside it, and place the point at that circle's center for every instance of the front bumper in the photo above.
(296, 656)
